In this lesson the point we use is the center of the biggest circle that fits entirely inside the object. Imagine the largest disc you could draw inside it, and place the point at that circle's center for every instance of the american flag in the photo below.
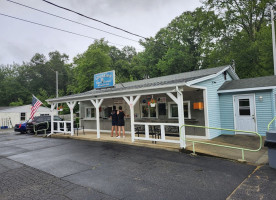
(35, 105)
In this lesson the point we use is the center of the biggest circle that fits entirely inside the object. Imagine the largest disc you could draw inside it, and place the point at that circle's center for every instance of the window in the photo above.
(173, 110)
(107, 112)
(22, 116)
(148, 111)
(162, 109)
(89, 112)
(244, 107)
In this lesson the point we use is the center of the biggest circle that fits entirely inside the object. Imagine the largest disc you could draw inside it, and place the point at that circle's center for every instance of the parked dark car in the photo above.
(20, 127)
(41, 122)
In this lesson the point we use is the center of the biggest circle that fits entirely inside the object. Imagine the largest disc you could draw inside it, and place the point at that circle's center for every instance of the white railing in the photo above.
(61, 127)
(162, 132)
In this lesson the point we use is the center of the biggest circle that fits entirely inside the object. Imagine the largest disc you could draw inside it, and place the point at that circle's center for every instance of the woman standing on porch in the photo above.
(121, 121)
(114, 118)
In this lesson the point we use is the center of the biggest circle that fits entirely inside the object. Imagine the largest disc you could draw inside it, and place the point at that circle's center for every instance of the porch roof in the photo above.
(248, 84)
(146, 84)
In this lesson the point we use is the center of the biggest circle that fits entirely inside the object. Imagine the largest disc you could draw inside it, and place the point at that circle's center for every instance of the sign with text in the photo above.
(105, 79)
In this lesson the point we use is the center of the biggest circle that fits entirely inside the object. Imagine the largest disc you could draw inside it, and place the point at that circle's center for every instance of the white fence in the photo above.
(162, 133)
(62, 127)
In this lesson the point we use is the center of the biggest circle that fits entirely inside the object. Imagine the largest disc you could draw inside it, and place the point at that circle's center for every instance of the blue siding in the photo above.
(227, 112)
(273, 126)
(264, 110)
(212, 86)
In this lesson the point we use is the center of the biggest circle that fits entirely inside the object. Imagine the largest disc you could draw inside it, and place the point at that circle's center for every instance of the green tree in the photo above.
(246, 40)
(94, 60)
(184, 44)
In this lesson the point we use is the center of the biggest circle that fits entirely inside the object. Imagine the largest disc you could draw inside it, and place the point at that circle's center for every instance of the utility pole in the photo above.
(57, 87)
(273, 38)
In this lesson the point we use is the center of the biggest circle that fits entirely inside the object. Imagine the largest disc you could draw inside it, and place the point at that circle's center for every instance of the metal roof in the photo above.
(249, 83)
(152, 82)
(25, 108)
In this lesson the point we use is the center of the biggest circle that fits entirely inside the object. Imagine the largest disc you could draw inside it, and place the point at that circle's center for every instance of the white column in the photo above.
(71, 106)
(131, 104)
(53, 105)
(97, 103)
(181, 119)
(179, 101)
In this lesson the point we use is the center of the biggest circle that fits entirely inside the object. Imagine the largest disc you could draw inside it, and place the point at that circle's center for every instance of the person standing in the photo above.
(114, 118)
(121, 121)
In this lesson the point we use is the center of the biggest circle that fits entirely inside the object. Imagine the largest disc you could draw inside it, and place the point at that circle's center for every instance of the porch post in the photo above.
(179, 101)
(181, 120)
(71, 105)
(97, 103)
(131, 104)
(53, 105)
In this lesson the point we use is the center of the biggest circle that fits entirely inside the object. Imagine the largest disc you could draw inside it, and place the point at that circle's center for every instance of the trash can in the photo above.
(270, 142)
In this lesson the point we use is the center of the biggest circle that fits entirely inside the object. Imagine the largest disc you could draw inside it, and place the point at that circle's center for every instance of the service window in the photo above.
(148, 112)
(22, 116)
(173, 110)
(107, 112)
(90, 112)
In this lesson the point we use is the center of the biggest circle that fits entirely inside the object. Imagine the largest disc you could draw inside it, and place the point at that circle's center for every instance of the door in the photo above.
(245, 118)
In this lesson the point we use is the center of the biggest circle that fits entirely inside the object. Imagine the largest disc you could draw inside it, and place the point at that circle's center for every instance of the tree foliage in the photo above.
(219, 33)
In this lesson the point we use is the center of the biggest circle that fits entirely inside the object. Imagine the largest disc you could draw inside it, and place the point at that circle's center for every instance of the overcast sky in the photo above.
(19, 40)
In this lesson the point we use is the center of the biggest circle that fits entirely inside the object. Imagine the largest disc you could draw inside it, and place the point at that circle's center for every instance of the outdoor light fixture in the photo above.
(261, 98)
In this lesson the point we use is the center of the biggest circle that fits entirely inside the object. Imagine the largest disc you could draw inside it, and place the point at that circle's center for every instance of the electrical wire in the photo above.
(71, 20)
(95, 20)
(56, 28)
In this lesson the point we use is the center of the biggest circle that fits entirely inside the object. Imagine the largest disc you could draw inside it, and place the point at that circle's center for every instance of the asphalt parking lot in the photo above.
(50, 168)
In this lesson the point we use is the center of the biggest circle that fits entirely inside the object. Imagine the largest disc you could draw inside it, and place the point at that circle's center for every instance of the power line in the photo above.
(95, 20)
(55, 28)
(71, 20)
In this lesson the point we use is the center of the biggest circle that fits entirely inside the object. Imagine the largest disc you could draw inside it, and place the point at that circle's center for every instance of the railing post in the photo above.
(53, 105)
(162, 132)
(147, 131)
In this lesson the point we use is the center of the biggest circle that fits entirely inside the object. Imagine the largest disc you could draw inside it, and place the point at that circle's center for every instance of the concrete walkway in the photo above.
(250, 142)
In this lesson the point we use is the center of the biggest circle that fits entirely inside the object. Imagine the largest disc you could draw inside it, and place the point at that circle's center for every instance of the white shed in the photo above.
(19, 114)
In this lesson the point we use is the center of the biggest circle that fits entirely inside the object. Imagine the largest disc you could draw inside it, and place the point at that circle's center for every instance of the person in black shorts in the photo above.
(121, 121)
(114, 118)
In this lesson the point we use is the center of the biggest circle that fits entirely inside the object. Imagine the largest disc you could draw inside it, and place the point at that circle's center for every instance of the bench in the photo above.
(154, 131)
(140, 130)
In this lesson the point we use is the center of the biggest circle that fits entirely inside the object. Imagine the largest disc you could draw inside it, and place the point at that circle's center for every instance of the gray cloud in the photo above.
(20, 40)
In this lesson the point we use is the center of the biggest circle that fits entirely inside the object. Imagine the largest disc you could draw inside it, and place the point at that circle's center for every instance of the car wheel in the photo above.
(28, 131)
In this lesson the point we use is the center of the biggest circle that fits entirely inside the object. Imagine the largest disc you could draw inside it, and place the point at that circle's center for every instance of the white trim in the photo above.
(189, 83)
(85, 110)
(171, 88)
(173, 103)
(247, 89)
(206, 113)
(234, 108)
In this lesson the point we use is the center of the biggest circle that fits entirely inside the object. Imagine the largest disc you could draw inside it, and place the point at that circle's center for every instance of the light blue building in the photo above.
(213, 97)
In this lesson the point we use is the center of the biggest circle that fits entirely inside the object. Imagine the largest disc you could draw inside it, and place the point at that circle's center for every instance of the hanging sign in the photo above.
(105, 79)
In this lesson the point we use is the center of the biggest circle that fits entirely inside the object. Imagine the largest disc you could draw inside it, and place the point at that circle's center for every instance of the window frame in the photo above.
(149, 117)
(25, 116)
(173, 103)
(91, 113)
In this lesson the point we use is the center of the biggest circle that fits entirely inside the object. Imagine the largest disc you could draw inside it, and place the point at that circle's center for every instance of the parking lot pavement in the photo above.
(47, 168)
(260, 184)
